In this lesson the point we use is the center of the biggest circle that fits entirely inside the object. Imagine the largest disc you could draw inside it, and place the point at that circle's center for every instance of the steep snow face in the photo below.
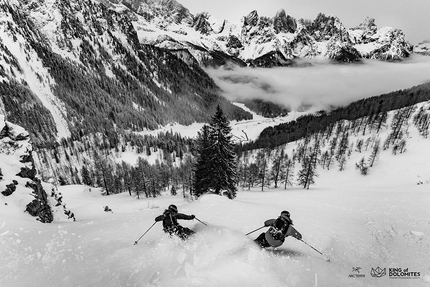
(26, 67)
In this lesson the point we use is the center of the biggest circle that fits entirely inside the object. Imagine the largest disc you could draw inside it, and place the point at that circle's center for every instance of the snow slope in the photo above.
(381, 220)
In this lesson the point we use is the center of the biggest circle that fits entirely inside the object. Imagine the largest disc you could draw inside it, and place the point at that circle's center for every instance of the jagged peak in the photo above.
(252, 18)
(322, 17)
(201, 24)
(281, 13)
(367, 24)
(284, 23)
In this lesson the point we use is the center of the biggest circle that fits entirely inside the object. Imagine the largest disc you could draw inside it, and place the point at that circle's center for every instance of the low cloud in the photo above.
(321, 85)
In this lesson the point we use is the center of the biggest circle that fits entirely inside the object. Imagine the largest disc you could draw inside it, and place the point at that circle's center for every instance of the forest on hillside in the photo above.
(331, 147)
(373, 109)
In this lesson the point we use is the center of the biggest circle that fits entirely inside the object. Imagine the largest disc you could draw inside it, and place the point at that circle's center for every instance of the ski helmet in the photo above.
(285, 213)
(173, 208)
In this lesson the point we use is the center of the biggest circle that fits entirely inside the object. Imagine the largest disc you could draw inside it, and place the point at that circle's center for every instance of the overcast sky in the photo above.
(411, 16)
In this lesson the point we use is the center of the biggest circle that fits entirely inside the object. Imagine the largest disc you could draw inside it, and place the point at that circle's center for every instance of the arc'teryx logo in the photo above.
(378, 272)
(356, 270)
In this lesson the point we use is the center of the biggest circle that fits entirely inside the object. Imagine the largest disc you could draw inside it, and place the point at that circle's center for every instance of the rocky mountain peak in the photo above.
(283, 23)
(251, 19)
(368, 24)
(325, 27)
(201, 23)
(161, 11)
(256, 36)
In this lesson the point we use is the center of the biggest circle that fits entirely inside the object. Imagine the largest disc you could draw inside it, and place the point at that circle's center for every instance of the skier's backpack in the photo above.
(169, 221)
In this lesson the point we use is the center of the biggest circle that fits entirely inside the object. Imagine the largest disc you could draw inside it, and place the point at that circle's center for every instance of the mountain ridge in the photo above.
(258, 36)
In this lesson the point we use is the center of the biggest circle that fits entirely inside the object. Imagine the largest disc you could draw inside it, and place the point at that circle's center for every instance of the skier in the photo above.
(279, 229)
(170, 222)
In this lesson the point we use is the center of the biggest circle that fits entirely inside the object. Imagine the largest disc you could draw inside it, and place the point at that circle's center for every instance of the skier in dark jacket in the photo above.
(277, 232)
(170, 222)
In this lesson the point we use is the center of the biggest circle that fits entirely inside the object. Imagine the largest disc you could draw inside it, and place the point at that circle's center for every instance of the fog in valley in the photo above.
(322, 85)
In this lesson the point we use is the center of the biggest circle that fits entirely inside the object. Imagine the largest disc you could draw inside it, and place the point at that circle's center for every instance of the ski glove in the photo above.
(298, 236)
(193, 216)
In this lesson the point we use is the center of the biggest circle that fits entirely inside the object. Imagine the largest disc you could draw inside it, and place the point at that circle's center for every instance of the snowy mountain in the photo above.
(264, 41)
(89, 80)
(76, 77)
(377, 221)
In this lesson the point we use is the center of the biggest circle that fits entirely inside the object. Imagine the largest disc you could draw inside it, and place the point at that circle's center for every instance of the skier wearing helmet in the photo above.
(279, 229)
(170, 222)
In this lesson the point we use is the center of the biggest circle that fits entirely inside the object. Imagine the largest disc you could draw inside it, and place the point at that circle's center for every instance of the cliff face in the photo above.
(21, 190)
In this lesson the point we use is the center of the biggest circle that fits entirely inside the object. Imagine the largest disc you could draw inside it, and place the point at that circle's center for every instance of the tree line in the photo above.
(330, 148)
(374, 108)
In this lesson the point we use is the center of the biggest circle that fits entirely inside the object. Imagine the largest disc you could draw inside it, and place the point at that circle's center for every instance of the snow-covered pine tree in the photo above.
(202, 173)
(287, 171)
(262, 163)
(220, 174)
(275, 171)
(307, 174)
(376, 149)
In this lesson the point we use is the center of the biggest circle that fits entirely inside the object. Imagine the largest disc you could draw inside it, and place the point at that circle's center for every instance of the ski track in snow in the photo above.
(98, 250)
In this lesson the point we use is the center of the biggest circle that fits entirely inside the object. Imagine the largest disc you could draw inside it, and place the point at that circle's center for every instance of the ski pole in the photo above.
(254, 230)
(200, 221)
(326, 258)
(145, 233)
(311, 246)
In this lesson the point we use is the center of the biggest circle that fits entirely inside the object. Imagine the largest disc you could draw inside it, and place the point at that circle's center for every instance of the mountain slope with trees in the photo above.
(371, 110)
(331, 148)
(74, 74)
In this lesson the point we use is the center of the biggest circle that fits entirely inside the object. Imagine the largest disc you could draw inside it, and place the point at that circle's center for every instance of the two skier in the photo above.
(279, 228)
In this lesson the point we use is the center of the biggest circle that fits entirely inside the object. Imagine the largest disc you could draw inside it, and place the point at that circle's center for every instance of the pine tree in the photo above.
(307, 173)
(261, 162)
(252, 175)
(86, 178)
(203, 166)
(343, 146)
(287, 171)
(218, 173)
(277, 166)
(375, 151)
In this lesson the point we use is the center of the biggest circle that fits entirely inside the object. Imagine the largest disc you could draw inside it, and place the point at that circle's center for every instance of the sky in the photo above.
(358, 223)
(410, 16)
